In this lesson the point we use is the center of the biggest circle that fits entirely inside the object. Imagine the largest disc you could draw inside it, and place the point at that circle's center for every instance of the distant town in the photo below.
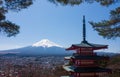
(30, 66)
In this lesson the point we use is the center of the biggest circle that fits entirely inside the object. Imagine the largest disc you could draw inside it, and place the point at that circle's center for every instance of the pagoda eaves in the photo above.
(87, 45)
(85, 69)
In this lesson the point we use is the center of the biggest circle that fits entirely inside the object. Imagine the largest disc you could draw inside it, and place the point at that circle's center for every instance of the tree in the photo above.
(107, 28)
(6, 26)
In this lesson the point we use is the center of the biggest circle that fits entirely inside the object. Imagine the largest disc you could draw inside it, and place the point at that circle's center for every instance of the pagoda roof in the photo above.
(85, 69)
(85, 44)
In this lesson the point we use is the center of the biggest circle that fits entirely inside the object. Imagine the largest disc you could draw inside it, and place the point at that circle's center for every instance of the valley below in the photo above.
(31, 66)
(43, 66)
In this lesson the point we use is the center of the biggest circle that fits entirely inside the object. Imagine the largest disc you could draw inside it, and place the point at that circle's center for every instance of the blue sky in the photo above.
(60, 24)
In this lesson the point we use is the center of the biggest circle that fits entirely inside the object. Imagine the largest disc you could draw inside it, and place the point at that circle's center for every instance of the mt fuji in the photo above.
(45, 43)
(43, 47)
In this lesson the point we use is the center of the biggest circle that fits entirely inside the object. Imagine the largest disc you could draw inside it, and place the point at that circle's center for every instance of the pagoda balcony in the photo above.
(89, 57)
(66, 76)
(90, 65)
(84, 53)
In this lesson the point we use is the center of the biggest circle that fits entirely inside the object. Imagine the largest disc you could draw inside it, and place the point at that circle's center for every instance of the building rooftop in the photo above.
(85, 69)
(85, 44)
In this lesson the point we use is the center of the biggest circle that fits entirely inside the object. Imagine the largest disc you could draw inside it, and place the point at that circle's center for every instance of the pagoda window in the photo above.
(86, 74)
(78, 51)
(87, 62)
(86, 49)
(77, 62)
(78, 74)
(75, 74)
(87, 52)
(101, 74)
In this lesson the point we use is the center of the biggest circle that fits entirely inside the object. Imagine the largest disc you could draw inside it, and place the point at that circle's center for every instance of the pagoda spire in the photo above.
(84, 30)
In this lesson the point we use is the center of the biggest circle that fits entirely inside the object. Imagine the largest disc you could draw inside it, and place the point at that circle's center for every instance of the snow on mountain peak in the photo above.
(45, 43)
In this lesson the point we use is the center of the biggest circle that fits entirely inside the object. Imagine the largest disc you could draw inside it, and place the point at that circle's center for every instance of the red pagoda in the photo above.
(83, 63)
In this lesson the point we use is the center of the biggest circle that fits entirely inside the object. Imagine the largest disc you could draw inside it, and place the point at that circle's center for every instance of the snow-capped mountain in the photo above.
(43, 47)
(45, 43)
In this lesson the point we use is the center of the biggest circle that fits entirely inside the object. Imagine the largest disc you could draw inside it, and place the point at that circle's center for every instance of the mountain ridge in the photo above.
(43, 47)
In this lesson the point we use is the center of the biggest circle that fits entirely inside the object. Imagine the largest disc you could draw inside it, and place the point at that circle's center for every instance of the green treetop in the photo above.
(6, 26)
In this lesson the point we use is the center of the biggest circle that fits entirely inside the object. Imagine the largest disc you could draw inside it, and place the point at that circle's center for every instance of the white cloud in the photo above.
(9, 46)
